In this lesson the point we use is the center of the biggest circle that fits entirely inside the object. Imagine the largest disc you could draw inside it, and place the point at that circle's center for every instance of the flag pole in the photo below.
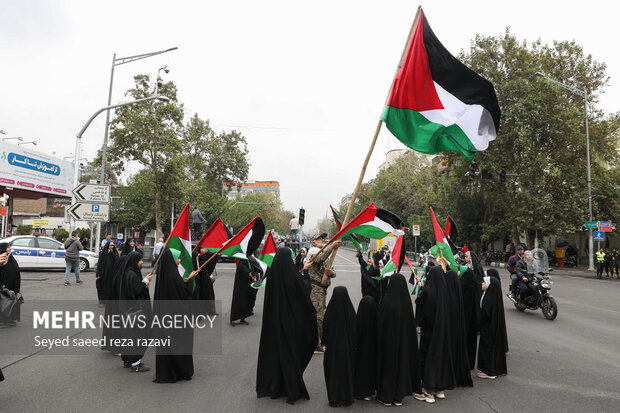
(377, 130)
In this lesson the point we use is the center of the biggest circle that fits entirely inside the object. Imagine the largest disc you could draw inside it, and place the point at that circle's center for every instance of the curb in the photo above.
(498, 264)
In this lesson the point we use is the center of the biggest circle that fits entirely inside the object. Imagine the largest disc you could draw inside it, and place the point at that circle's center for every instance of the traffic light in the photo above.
(302, 213)
(502, 175)
(486, 174)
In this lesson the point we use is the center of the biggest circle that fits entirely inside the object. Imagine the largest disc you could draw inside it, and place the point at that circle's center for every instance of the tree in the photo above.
(148, 134)
(274, 216)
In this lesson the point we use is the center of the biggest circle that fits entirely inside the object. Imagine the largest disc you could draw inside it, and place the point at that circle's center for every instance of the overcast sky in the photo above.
(305, 82)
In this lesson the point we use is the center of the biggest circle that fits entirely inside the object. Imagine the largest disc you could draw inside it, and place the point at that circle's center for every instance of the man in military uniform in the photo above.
(320, 278)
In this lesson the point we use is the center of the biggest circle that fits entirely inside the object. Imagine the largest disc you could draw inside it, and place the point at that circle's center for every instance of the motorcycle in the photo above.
(538, 287)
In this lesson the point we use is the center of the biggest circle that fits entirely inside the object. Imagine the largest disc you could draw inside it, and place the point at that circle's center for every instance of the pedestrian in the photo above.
(104, 274)
(435, 347)
(340, 341)
(159, 246)
(472, 262)
(320, 279)
(470, 288)
(493, 273)
(609, 265)
(172, 292)
(365, 379)
(616, 262)
(108, 238)
(197, 221)
(288, 333)
(241, 304)
(493, 342)
(370, 274)
(600, 262)
(72, 257)
(204, 292)
(458, 331)
(300, 258)
(398, 363)
(10, 277)
(133, 293)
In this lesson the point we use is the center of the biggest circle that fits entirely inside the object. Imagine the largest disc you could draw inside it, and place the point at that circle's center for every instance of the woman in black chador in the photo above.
(458, 333)
(470, 289)
(492, 272)
(340, 341)
(135, 301)
(435, 346)
(104, 274)
(244, 295)
(204, 292)
(365, 379)
(398, 364)
(288, 334)
(368, 269)
(175, 363)
(10, 277)
(493, 341)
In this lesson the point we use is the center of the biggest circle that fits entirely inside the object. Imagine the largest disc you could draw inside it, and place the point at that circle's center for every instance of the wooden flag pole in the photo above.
(377, 130)
(209, 260)
(443, 261)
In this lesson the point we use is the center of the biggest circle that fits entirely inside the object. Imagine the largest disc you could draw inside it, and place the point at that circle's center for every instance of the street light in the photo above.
(584, 94)
(19, 138)
(117, 62)
(25, 143)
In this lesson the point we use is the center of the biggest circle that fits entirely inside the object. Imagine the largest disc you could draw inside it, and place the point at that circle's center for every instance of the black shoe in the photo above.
(126, 364)
(244, 322)
(79, 282)
(140, 368)
(66, 284)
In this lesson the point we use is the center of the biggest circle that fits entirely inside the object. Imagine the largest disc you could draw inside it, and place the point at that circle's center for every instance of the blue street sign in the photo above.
(599, 236)
(604, 224)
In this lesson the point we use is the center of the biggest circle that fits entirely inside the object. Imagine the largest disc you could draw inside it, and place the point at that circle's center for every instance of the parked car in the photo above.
(43, 252)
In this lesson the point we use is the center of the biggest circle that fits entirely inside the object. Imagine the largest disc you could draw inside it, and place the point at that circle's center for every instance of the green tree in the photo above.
(274, 216)
(149, 135)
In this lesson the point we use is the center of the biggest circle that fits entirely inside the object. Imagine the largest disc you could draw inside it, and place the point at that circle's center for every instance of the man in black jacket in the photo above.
(512, 269)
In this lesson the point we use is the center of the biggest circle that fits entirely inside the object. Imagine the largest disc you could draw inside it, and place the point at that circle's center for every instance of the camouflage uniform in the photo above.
(318, 293)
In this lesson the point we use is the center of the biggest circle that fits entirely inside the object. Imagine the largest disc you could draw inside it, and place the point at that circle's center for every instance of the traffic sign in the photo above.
(604, 223)
(606, 229)
(591, 224)
(92, 193)
(416, 230)
(90, 212)
(599, 236)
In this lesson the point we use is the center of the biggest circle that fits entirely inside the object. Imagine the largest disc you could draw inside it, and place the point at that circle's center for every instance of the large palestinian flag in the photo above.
(441, 246)
(372, 222)
(396, 261)
(215, 237)
(246, 241)
(179, 239)
(351, 237)
(451, 232)
(437, 103)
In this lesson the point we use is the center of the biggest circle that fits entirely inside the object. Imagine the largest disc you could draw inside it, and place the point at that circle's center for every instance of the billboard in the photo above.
(24, 168)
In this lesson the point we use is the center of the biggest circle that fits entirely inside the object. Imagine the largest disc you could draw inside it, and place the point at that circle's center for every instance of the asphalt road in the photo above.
(570, 364)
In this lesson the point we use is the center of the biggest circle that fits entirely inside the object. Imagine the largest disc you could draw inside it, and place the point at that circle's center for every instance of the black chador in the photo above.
(398, 361)
(174, 363)
(435, 348)
(10, 277)
(340, 341)
(492, 272)
(288, 334)
(204, 292)
(365, 382)
(470, 289)
(135, 300)
(370, 286)
(493, 342)
(105, 273)
(244, 295)
(458, 331)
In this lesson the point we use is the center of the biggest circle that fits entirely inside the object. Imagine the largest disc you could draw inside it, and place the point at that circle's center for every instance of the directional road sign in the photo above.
(92, 193)
(90, 212)
(599, 236)
(591, 224)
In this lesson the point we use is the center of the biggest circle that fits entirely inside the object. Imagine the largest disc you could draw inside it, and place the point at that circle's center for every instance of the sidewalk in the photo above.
(578, 271)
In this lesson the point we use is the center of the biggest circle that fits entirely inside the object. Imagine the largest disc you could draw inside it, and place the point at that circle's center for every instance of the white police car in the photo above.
(42, 252)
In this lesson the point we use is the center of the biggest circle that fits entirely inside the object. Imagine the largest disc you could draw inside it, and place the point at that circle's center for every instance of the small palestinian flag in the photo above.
(179, 239)
(462, 269)
(372, 222)
(215, 237)
(351, 237)
(437, 103)
(441, 246)
(397, 259)
(451, 232)
(268, 251)
(259, 266)
(246, 241)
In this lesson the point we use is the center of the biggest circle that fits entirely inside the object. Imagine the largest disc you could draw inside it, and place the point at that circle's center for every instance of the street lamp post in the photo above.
(117, 62)
(19, 138)
(26, 143)
(583, 93)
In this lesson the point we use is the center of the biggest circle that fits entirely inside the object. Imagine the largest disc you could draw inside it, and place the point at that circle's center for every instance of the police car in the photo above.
(42, 252)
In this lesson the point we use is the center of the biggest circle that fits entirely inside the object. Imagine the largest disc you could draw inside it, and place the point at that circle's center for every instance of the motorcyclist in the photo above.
(512, 269)
(523, 276)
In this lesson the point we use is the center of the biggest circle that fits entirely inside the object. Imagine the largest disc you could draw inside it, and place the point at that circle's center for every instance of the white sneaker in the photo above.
(482, 375)
(441, 395)
(398, 404)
